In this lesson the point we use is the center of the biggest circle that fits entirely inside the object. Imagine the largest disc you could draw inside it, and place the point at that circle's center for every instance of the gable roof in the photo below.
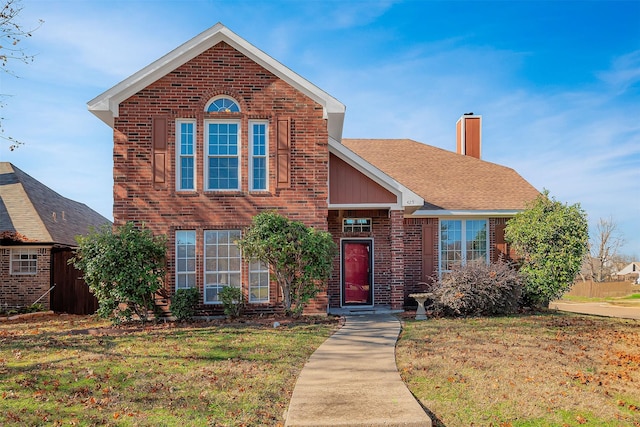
(105, 106)
(32, 212)
(447, 181)
(634, 267)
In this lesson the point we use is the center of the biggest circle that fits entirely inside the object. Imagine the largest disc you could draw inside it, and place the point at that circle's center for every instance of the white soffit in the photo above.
(105, 106)
(407, 197)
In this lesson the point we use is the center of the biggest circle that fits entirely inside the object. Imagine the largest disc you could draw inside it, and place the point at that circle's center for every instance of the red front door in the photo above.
(356, 272)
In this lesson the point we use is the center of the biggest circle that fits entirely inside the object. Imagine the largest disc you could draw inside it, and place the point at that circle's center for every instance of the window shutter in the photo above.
(502, 247)
(283, 153)
(428, 245)
(159, 136)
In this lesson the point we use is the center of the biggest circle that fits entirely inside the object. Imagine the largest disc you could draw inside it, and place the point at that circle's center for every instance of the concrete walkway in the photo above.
(352, 380)
(598, 309)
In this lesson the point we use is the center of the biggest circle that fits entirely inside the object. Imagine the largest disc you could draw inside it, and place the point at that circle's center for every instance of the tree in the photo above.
(123, 269)
(551, 238)
(603, 250)
(300, 257)
(11, 34)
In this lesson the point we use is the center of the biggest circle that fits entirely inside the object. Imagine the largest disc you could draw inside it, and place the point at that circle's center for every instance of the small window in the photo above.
(258, 282)
(185, 259)
(223, 105)
(24, 261)
(185, 141)
(258, 155)
(356, 225)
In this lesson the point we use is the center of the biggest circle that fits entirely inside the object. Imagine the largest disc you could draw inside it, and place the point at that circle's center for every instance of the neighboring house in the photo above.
(630, 272)
(37, 233)
(216, 131)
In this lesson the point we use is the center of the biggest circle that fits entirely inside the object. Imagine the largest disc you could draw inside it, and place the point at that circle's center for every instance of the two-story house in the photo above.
(217, 131)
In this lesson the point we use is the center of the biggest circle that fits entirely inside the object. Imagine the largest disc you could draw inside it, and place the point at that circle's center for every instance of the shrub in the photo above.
(184, 302)
(232, 301)
(300, 257)
(552, 239)
(478, 289)
(123, 269)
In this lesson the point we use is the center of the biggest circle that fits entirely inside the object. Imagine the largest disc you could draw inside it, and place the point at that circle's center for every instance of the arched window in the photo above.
(223, 105)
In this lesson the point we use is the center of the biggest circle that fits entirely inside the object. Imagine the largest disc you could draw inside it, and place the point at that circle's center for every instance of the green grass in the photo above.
(86, 373)
(536, 370)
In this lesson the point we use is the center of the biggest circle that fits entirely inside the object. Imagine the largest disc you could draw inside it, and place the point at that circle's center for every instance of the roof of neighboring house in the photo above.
(634, 267)
(444, 179)
(106, 105)
(32, 212)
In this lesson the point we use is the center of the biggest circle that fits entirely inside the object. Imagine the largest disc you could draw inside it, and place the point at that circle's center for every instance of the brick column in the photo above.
(397, 259)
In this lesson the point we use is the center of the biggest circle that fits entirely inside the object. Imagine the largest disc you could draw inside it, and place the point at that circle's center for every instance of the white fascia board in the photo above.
(464, 213)
(105, 106)
(406, 197)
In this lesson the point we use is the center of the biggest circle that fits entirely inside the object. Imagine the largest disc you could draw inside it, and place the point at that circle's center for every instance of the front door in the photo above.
(356, 272)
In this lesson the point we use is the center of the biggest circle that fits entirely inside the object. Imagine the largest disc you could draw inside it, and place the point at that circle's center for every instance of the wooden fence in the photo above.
(603, 290)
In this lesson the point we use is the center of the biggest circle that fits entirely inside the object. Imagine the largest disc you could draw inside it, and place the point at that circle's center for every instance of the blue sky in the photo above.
(557, 82)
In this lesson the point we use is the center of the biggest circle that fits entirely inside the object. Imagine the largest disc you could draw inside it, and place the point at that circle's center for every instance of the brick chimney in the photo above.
(468, 135)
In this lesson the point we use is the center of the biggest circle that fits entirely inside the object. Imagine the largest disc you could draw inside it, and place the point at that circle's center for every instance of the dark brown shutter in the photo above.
(159, 136)
(428, 251)
(283, 153)
(502, 247)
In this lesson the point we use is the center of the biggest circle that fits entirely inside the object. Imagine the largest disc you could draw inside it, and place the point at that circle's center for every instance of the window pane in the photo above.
(222, 261)
(185, 259)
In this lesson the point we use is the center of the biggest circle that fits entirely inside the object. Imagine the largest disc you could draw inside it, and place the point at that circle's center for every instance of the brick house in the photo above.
(216, 131)
(37, 234)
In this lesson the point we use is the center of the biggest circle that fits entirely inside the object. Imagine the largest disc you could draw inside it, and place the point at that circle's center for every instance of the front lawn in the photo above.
(536, 370)
(73, 370)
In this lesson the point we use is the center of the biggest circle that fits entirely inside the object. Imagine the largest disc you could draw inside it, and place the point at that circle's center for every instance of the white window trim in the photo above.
(369, 224)
(206, 154)
(178, 135)
(28, 251)
(179, 273)
(205, 271)
(215, 98)
(251, 155)
(463, 241)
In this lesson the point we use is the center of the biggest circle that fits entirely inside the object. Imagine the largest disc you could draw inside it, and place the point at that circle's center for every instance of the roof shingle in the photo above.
(32, 211)
(444, 179)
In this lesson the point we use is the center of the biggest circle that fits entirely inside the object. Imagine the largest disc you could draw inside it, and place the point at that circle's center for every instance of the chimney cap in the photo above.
(469, 114)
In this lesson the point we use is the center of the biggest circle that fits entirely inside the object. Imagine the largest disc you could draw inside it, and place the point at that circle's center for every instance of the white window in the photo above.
(185, 259)
(258, 282)
(258, 158)
(24, 261)
(185, 148)
(222, 104)
(463, 242)
(222, 145)
(221, 262)
(356, 225)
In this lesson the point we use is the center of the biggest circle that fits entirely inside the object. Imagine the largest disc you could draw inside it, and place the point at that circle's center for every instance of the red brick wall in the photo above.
(413, 274)
(183, 94)
(382, 269)
(24, 289)
(413, 251)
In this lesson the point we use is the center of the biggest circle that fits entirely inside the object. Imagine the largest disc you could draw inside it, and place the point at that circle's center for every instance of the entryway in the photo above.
(357, 272)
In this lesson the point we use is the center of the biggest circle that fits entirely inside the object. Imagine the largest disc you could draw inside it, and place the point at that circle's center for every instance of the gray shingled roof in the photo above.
(444, 179)
(32, 212)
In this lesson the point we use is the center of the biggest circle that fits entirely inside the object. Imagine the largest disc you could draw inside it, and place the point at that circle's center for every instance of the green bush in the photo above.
(184, 302)
(232, 301)
(123, 267)
(478, 290)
